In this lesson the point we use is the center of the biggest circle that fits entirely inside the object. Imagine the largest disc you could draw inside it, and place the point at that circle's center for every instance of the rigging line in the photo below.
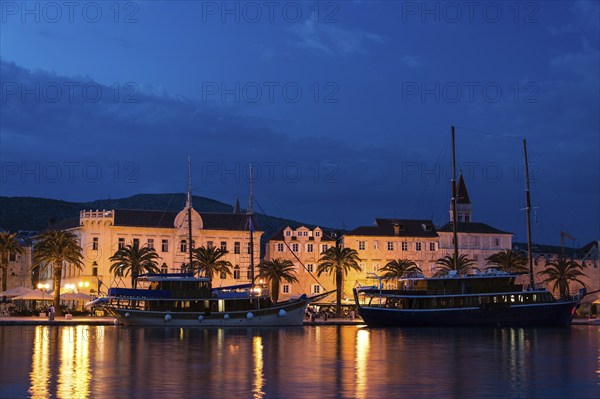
(557, 193)
(288, 247)
(165, 211)
(486, 133)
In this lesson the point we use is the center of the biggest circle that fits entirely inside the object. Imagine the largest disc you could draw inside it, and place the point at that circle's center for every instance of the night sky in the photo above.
(344, 108)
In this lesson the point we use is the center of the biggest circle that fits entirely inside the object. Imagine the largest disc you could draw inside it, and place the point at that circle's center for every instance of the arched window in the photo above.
(236, 272)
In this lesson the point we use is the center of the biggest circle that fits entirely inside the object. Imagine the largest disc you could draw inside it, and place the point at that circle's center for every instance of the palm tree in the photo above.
(133, 260)
(399, 268)
(508, 261)
(8, 244)
(561, 272)
(338, 260)
(276, 270)
(463, 265)
(208, 261)
(56, 247)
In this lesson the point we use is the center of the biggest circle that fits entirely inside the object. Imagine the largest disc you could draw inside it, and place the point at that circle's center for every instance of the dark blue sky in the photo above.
(344, 108)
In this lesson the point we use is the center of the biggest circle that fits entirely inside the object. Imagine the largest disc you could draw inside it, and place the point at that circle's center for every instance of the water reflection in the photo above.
(325, 361)
(362, 358)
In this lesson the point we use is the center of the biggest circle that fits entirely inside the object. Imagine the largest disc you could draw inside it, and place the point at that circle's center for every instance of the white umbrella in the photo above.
(75, 296)
(16, 292)
(35, 295)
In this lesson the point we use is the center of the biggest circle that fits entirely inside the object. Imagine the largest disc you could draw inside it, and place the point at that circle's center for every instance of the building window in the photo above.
(316, 289)
(294, 247)
(497, 242)
(209, 244)
(310, 247)
(285, 288)
(136, 242)
(165, 246)
(432, 246)
(317, 234)
(417, 246)
(183, 246)
(248, 276)
(324, 248)
(310, 267)
(376, 245)
(288, 233)
(404, 246)
(94, 269)
(163, 268)
(95, 243)
(150, 243)
(361, 245)
(236, 272)
(193, 244)
(390, 245)
(249, 249)
(223, 245)
(13, 257)
(236, 247)
(121, 243)
(280, 247)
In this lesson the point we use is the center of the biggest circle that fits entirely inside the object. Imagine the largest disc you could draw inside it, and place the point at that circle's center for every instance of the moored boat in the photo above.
(181, 299)
(492, 298)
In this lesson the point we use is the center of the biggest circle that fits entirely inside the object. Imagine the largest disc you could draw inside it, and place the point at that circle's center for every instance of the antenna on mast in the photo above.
(188, 202)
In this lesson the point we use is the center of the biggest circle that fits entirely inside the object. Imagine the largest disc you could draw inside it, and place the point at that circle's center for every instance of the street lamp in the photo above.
(42, 288)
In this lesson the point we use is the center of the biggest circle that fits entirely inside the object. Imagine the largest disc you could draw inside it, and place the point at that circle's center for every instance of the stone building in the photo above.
(302, 246)
(102, 233)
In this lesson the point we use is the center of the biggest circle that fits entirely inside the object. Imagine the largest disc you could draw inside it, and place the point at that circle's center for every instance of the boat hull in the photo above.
(548, 314)
(283, 314)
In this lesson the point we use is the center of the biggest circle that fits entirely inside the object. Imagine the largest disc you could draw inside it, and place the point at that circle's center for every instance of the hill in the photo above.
(33, 214)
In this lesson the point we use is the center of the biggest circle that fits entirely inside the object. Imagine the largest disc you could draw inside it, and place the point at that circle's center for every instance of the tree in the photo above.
(508, 261)
(8, 244)
(133, 260)
(337, 261)
(399, 268)
(446, 264)
(276, 270)
(209, 261)
(54, 248)
(561, 272)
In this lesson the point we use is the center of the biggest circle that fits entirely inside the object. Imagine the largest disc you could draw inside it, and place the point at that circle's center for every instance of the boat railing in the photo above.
(141, 293)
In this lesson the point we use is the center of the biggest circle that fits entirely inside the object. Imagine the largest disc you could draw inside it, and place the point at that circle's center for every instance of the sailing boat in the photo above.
(492, 298)
(185, 300)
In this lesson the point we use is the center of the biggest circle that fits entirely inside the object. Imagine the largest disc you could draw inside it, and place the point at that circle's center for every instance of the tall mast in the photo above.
(528, 212)
(251, 228)
(188, 205)
(454, 218)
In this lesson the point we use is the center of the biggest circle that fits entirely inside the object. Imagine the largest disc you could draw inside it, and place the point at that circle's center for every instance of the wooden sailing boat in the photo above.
(492, 298)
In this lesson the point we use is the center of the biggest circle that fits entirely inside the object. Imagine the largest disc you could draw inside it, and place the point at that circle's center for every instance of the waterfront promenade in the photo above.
(106, 321)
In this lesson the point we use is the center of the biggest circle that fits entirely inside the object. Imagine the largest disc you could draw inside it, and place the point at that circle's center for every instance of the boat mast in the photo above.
(528, 212)
(251, 228)
(454, 218)
(188, 205)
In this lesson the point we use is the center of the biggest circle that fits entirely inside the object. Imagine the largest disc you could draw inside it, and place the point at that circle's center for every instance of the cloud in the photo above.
(330, 39)
(412, 61)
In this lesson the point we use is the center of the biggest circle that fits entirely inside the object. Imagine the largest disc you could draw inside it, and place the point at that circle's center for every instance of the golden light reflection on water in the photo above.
(40, 370)
(362, 358)
(74, 373)
(259, 377)
(61, 362)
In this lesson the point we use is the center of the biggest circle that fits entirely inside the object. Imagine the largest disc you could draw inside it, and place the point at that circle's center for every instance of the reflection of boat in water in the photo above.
(180, 299)
(492, 298)
(183, 299)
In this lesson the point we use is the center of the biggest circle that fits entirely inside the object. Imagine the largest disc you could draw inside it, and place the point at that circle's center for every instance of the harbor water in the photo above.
(303, 362)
